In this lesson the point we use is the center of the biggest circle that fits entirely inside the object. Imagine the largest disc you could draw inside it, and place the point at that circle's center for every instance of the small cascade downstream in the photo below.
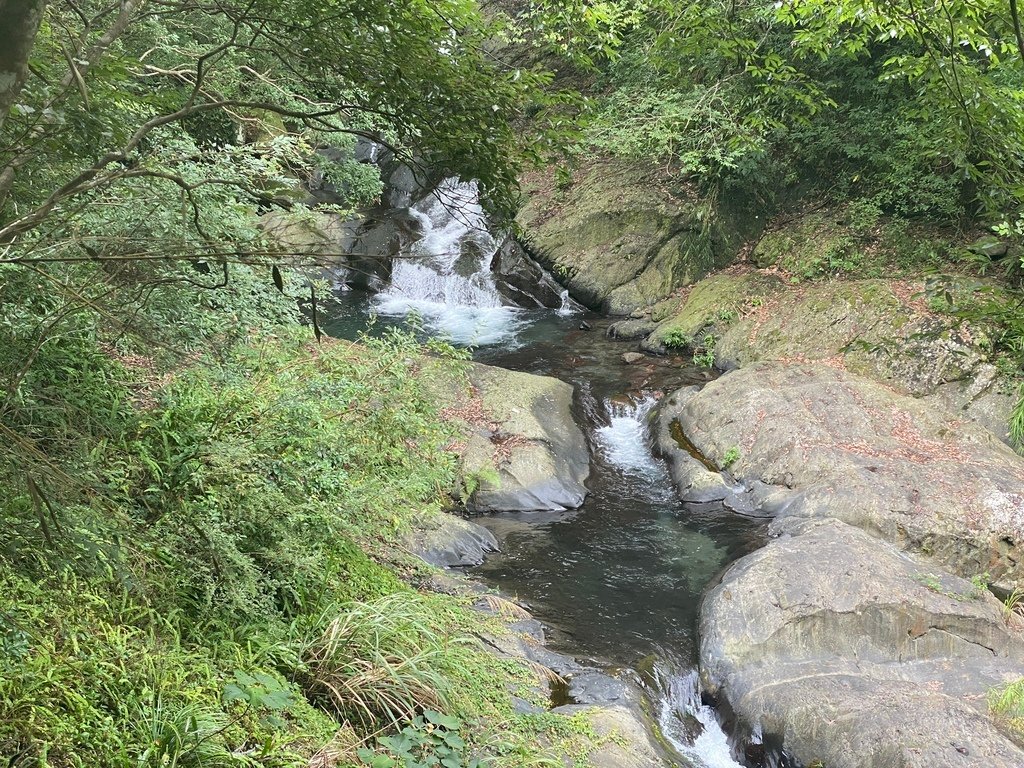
(618, 582)
(691, 726)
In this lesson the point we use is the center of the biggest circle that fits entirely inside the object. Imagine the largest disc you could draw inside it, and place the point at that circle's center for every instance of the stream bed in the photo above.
(617, 582)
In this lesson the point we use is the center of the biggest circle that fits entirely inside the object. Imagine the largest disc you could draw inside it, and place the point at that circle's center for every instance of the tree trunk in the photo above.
(19, 22)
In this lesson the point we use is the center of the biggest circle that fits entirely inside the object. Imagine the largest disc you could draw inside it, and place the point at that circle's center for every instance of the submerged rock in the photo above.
(635, 328)
(859, 655)
(814, 441)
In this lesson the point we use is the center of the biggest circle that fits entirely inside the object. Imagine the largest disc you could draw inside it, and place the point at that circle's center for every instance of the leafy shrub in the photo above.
(430, 739)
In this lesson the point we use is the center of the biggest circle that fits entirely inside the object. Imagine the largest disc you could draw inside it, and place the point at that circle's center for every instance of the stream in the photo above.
(617, 582)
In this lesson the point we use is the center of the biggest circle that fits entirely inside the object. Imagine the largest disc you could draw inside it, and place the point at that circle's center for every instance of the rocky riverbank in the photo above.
(601, 721)
(864, 634)
(870, 424)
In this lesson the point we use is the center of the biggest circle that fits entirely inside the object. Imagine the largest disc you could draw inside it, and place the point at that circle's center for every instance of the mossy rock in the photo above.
(716, 301)
(621, 237)
(833, 241)
(521, 448)
(805, 246)
(879, 328)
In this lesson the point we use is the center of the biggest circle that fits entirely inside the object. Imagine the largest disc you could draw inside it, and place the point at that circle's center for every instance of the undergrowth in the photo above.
(184, 577)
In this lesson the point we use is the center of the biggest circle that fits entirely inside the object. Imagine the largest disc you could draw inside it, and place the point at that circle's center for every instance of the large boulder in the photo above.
(522, 449)
(521, 280)
(620, 237)
(810, 440)
(858, 655)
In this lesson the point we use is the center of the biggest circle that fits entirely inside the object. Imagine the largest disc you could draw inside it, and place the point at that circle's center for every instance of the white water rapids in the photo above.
(691, 727)
(445, 278)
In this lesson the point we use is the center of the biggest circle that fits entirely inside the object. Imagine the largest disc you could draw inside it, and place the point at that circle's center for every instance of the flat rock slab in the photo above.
(447, 541)
(822, 442)
(858, 654)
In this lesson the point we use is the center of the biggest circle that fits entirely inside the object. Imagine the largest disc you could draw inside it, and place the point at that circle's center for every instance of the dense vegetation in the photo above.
(198, 505)
(903, 120)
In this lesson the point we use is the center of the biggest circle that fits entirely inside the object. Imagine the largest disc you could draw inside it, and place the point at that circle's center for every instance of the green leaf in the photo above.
(445, 721)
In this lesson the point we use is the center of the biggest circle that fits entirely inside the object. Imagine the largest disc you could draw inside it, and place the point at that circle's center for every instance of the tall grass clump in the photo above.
(379, 662)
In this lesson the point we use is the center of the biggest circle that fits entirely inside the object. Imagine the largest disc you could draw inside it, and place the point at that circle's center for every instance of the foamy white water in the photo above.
(692, 728)
(445, 278)
(624, 441)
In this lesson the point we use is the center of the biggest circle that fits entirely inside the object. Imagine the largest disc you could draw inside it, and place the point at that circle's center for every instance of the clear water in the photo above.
(619, 581)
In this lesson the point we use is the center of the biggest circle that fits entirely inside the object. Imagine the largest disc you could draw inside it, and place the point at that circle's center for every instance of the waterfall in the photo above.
(624, 440)
(445, 277)
(690, 726)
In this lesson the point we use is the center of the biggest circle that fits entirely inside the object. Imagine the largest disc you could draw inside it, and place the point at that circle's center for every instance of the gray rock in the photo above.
(696, 480)
(623, 739)
(630, 358)
(859, 655)
(990, 246)
(524, 707)
(628, 330)
(451, 542)
(594, 687)
(838, 445)
(882, 329)
(523, 281)
(625, 236)
(530, 437)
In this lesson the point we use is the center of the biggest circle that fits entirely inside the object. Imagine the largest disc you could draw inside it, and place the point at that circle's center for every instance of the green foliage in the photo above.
(430, 739)
(704, 353)
(730, 457)
(910, 110)
(471, 481)
(997, 312)
(1012, 605)
(1007, 703)
(677, 339)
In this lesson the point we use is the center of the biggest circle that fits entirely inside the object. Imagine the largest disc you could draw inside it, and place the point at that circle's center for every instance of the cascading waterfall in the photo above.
(445, 276)
(691, 727)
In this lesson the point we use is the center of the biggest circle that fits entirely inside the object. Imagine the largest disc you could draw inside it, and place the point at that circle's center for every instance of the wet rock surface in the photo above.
(859, 654)
(447, 541)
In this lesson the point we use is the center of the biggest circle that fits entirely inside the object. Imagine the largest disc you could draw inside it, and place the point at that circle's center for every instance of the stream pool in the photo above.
(617, 582)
